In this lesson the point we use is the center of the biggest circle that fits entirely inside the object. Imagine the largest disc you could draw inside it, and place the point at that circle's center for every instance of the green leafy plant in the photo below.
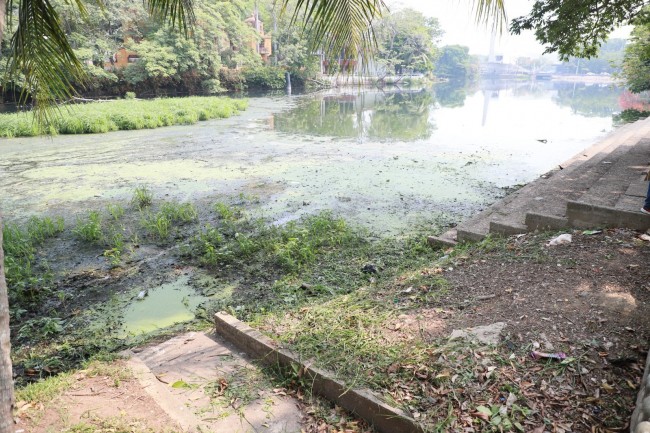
(116, 211)
(90, 228)
(142, 197)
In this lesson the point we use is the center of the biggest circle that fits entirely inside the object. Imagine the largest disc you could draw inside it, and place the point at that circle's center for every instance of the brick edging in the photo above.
(384, 418)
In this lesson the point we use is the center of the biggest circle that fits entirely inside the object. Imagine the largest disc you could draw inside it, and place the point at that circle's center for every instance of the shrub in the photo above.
(231, 79)
(265, 77)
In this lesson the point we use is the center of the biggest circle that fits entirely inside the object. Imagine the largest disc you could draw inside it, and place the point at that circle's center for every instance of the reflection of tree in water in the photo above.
(451, 93)
(402, 116)
(591, 101)
(372, 115)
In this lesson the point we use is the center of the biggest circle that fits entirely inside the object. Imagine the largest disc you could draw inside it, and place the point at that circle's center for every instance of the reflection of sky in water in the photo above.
(495, 127)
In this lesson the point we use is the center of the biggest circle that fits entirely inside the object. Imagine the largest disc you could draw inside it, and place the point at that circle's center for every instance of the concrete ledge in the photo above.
(384, 418)
(537, 221)
(469, 236)
(583, 215)
(507, 229)
(441, 241)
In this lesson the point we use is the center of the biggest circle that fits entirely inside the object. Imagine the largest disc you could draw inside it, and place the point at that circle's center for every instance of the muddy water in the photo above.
(387, 160)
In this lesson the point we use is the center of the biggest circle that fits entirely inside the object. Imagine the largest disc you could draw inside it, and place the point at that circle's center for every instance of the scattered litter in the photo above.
(369, 268)
(645, 237)
(592, 232)
(564, 238)
(142, 294)
(538, 355)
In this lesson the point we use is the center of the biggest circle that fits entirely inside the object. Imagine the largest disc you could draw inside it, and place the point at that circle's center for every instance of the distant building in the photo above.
(262, 44)
(121, 59)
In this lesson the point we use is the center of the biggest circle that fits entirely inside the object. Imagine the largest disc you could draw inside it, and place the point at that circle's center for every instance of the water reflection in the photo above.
(373, 115)
(409, 115)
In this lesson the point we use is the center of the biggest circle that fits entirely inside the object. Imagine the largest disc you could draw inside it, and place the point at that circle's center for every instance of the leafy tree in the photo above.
(406, 41)
(577, 27)
(454, 62)
(636, 63)
(608, 60)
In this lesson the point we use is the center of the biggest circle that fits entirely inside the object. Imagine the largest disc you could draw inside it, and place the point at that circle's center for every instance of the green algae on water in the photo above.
(165, 305)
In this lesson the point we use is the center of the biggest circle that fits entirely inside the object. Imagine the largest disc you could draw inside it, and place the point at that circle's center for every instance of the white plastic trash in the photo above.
(564, 238)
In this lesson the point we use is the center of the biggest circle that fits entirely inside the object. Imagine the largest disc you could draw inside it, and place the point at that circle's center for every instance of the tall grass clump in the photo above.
(126, 114)
(90, 228)
(142, 197)
(160, 224)
(20, 243)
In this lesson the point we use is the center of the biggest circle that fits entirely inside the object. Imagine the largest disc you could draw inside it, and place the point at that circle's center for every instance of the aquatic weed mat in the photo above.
(585, 299)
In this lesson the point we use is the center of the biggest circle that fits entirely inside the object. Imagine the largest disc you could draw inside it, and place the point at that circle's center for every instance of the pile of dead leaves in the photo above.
(473, 389)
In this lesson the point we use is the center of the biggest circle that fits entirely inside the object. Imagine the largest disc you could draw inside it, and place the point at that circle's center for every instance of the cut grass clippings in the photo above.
(97, 117)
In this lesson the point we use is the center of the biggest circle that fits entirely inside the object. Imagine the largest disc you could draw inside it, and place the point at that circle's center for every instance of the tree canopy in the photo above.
(577, 27)
(406, 41)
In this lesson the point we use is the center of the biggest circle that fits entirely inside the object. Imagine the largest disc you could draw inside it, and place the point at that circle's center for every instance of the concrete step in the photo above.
(589, 216)
(197, 361)
(542, 203)
(615, 182)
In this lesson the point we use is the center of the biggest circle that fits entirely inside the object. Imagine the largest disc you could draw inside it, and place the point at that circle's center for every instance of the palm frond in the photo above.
(41, 52)
(491, 12)
(179, 13)
(339, 27)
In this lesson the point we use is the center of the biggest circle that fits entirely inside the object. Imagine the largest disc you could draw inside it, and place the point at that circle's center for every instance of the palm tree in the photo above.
(41, 52)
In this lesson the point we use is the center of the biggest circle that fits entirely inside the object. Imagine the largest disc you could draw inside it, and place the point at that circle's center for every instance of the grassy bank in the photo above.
(128, 114)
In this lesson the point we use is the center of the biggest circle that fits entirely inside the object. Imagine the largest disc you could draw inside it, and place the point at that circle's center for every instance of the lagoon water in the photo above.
(389, 159)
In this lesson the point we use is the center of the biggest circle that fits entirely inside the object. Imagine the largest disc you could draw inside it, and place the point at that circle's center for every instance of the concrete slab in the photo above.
(180, 374)
(441, 242)
(506, 229)
(537, 221)
(638, 188)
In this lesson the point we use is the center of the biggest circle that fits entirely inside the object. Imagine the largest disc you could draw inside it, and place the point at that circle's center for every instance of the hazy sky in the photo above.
(457, 20)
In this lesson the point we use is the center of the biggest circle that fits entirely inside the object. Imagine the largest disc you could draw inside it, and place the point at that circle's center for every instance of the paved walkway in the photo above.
(600, 187)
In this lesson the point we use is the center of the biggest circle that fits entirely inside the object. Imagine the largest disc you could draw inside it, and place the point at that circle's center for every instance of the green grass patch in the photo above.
(28, 278)
(89, 229)
(46, 390)
(127, 114)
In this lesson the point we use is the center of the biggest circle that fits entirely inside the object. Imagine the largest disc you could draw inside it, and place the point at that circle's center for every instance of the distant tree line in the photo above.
(219, 56)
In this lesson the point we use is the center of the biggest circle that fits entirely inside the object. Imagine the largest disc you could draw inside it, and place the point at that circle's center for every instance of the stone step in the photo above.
(590, 216)
(615, 182)
(542, 203)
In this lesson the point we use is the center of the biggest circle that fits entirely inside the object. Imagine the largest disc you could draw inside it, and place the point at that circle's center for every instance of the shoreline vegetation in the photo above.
(377, 313)
(124, 114)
